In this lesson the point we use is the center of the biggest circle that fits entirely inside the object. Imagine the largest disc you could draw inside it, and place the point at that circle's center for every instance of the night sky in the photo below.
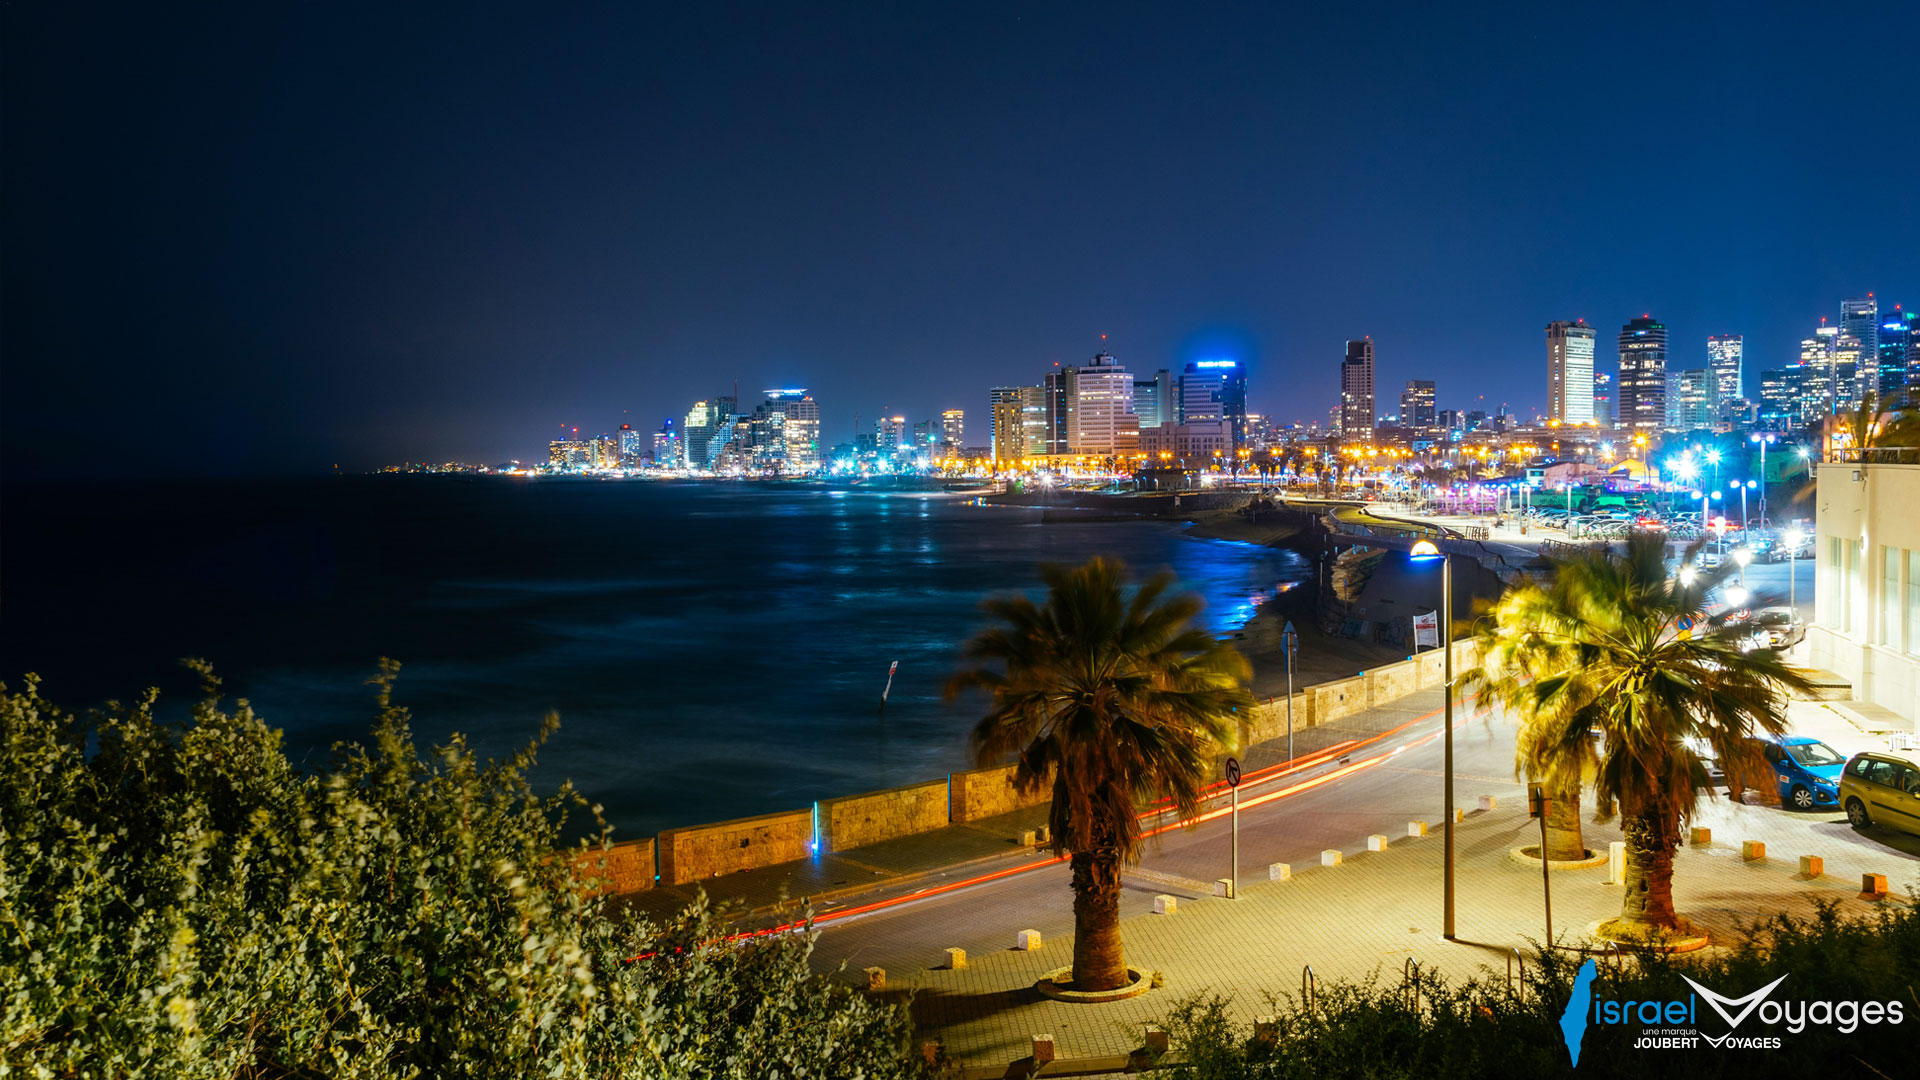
(275, 237)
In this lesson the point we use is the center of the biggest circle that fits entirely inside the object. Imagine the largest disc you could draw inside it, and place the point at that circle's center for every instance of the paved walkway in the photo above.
(1366, 918)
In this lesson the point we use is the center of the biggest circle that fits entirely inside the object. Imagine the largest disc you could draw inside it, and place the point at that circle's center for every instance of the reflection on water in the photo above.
(713, 651)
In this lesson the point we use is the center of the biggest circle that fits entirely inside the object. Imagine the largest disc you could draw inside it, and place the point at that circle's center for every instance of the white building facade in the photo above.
(1866, 624)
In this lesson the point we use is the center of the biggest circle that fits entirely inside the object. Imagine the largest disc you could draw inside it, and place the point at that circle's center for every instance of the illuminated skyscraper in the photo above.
(1643, 377)
(1726, 359)
(1033, 418)
(890, 435)
(1416, 408)
(1356, 392)
(1100, 418)
(666, 445)
(1691, 395)
(1215, 390)
(631, 448)
(1569, 372)
(1007, 432)
(1154, 400)
(953, 424)
(1860, 320)
(1897, 354)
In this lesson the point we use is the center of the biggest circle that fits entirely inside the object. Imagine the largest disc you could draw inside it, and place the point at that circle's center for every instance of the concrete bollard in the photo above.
(1701, 837)
(1043, 835)
(1416, 828)
(1376, 842)
(1488, 802)
(1617, 863)
(1330, 857)
(1873, 886)
(1752, 850)
(1027, 940)
(1223, 887)
(1157, 1041)
(1029, 837)
(1166, 905)
(1459, 815)
(956, 959)
(1279, 871)
(1042, 1049)
(876, 978)
(1812, 866)
(1266, 1030)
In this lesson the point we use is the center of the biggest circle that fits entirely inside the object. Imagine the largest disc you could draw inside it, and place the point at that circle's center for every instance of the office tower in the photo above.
(1860, 320)
(1154, 400)
(1570, 372)
(1452, 423)
(1334, 416)
(705, 421)
(1643, 377)
(1007, 433)
(926, 436)
(802, 429)
(890, 435)
(1213, 390)
(1033, 419)
(1692, 397)
(1820, 378)
(1059, 409)
(1356, 392)
(1725, 358)
(1416, 408)
(631, 448)
(1100, 418)
(953, 427)
(666, 445)
(1603, 399)
(1895, 343)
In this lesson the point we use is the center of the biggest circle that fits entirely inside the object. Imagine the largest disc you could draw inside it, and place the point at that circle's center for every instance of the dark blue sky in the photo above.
(278, 236)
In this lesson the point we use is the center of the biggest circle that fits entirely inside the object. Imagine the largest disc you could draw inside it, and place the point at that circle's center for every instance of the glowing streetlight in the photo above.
(1737, 596)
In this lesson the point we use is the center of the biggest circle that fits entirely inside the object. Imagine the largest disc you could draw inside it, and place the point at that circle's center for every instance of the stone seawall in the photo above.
(854, 820)
(703, 851)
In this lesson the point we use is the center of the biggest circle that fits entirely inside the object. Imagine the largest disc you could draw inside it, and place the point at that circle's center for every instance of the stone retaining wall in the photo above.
(854, 820)
(628, 867)
(702, 851)
(985, 793)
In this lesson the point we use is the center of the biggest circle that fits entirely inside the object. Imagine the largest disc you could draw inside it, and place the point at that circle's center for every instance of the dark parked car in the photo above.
(1776, 628)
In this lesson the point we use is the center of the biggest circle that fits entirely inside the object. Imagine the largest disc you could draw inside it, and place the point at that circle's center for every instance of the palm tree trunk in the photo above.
(1098, 962)
(1649, 889)
(1564, 842)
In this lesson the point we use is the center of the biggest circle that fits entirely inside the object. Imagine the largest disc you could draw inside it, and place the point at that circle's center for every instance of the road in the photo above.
(1336, 803)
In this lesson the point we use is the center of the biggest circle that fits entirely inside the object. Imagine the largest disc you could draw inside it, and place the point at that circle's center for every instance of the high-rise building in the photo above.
(1603, 399)
(1860, 320)
(1570, 372)
(1823, 385)
(1416, 408)
(1033, 418)
(1100, 417)
(1215, 390)
(1154, 400)
(1691, 399)
(666, 445)
(1896, 347)
(890, 435)
(706, 422)
(1726, 358)
(1058, 384)
(1643, 376)
(631, 447)
(801, 429)
(1007, 437)
(953, 423)
(1356, 392)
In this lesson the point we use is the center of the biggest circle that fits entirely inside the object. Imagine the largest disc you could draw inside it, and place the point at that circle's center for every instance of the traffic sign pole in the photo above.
(1233, 789)
(1289, 641)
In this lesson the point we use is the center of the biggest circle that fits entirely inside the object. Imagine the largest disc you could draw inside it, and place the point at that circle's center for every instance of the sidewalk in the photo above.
(1368, 917)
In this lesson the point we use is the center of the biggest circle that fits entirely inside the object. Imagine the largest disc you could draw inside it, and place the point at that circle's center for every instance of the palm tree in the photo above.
(1114, 699)
(1600, 652)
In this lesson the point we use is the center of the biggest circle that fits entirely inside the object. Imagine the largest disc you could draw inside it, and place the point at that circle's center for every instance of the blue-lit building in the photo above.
(1899, 352)
(1213, 390)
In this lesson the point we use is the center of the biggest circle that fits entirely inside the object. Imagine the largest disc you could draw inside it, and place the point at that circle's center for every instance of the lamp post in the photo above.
(1763, 440)
(1743, 556)
(1427, 549)
(1792, 540)
(1289, 643)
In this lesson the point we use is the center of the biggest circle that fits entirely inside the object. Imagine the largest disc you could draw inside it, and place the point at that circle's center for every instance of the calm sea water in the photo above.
(713, 650)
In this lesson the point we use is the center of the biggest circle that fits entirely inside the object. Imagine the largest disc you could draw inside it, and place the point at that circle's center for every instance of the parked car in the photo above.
(1807, 770)
(1884, 787)
(1776, 628)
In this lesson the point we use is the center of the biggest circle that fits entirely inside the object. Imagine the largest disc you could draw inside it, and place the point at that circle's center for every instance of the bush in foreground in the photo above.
(182, 902)
(1481, 1028)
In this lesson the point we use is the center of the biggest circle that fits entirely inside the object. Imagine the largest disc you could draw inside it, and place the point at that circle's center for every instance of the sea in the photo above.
(713, 650)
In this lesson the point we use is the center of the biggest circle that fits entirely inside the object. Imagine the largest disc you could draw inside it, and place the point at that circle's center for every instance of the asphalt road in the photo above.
(1336, 803)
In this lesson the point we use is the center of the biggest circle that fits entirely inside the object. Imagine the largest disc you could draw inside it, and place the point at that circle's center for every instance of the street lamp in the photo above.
(1743, 556)
(1422, 551)
(1737, 596)
(1763, 440)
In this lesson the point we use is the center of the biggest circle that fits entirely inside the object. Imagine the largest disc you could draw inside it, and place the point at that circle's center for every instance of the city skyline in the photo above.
(274, 269)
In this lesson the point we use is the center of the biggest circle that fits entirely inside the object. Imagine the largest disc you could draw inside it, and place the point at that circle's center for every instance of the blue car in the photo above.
(1808, 771)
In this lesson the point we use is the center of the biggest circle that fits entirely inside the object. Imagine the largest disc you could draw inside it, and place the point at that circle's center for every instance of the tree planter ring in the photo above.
(1530, 856)
(1058, 985)
(1683, 941)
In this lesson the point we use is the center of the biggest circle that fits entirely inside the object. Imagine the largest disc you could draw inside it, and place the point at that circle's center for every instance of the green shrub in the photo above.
(182, 902)
(1479, 1027)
